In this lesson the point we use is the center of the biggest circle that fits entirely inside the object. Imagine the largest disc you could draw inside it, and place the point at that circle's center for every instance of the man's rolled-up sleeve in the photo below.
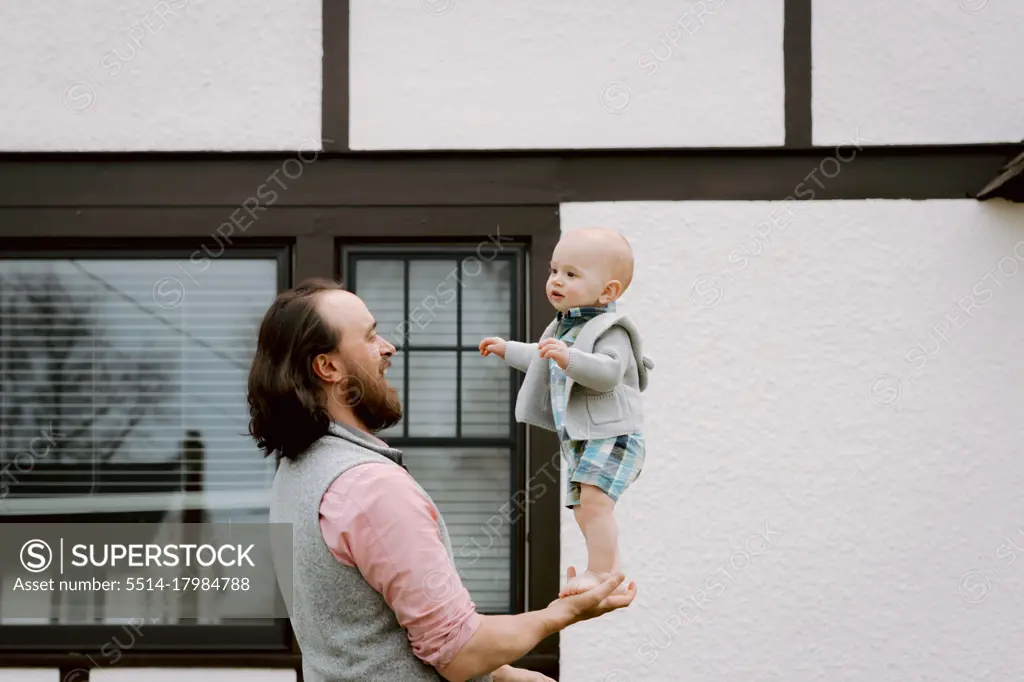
(376, 518)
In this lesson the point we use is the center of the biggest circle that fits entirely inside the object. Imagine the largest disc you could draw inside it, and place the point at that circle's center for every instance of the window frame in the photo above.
(535, 225)
(309, 222)
(407, 252)
(30, 642)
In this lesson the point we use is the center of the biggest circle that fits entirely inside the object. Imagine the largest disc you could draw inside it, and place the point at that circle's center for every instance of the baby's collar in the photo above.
(587, 311)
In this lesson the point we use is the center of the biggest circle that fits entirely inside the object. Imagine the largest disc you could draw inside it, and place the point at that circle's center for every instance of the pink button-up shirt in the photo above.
(376, 518)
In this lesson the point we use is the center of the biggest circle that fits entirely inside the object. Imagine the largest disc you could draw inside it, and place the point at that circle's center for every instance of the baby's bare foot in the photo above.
(581, 583)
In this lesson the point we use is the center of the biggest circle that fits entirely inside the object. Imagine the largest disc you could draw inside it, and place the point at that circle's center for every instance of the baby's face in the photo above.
(579, 274)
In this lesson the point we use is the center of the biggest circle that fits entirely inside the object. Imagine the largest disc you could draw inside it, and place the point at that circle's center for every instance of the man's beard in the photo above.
(380, 406)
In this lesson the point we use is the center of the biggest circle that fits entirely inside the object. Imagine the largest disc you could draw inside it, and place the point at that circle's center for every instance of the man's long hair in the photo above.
(286, 404)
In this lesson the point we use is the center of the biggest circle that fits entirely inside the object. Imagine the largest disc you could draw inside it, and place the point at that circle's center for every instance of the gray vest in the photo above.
(588, 413)
(345, 629)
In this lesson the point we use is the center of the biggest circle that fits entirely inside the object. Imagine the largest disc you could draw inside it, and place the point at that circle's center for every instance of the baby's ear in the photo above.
(612, 289)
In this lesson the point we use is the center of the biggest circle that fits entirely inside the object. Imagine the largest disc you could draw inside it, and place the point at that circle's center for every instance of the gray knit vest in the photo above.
(345, 629)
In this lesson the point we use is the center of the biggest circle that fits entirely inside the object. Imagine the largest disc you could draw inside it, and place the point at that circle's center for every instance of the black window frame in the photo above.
(84, 642)
(311, 224)
(349, 254)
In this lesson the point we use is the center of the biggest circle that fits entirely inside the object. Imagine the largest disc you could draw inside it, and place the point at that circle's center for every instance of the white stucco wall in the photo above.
(130, 75)
(919, 71)
(116, 75)
(833, 475)
(452, 74)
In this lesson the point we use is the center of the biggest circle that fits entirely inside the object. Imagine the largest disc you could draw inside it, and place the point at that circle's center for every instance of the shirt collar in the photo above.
(363, 439)
(586, 312)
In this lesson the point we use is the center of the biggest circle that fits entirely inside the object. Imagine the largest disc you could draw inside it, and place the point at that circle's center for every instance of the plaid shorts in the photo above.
(610, 464)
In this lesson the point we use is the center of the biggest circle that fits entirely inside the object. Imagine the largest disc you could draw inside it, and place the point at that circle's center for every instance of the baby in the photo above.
(583, 381)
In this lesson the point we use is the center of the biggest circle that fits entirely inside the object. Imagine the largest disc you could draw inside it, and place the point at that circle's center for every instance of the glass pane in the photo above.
(486, 300)
(396, 377)
(433, 302)
(381, 286)
(138, 371)
(486, 383)
(470, 487)
(432, 386)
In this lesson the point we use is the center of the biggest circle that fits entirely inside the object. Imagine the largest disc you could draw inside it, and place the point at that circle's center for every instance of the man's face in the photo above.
(356, 372)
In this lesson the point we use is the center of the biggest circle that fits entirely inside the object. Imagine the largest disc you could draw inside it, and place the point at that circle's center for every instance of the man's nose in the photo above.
(386, 349)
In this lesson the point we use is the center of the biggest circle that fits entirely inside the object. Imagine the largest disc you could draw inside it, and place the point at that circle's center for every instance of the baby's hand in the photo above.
(493, 344)
(553, 348)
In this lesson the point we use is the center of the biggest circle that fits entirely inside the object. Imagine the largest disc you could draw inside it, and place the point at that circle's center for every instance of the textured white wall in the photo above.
(919, 71)
(128, 75)
(454, 74)
(834, 475)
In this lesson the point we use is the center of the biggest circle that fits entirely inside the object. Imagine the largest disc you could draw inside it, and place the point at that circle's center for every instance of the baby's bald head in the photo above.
(605, 246)
(590, 266)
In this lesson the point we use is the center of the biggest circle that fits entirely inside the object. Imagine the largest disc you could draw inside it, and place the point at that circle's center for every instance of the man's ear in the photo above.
(327, 367)
(612, 290)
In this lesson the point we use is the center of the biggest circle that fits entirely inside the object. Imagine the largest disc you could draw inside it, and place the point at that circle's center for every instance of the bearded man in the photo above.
(375, 593)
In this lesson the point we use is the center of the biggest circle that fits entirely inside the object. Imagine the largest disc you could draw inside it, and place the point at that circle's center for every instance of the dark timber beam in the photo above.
(334, 106)
(495, 179)
(797, 50)
(1008, 184)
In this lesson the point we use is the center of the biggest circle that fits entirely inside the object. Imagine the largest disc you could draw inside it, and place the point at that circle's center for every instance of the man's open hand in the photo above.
(554, 349)
(595, 602)
(507, 673)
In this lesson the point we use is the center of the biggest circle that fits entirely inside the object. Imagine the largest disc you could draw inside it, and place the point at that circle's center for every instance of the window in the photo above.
(123, 376)
(141, 262)
(459, 433)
